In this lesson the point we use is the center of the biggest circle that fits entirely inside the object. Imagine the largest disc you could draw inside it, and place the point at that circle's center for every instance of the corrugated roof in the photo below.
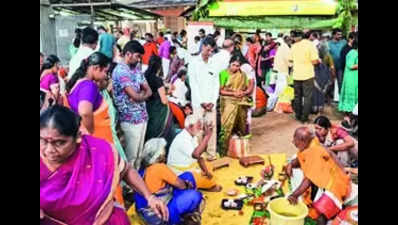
(147, 4)
(110, 10)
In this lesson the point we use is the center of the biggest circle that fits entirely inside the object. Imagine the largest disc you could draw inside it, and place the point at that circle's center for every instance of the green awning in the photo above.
(275, 22)
(272, 7)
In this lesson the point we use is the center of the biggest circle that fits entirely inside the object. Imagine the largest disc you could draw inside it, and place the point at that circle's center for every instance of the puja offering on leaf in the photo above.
(243, 180)
(268, 171)
(251, 186)
(244, 196)
(260, 206)
(271, 184)
(233, 204)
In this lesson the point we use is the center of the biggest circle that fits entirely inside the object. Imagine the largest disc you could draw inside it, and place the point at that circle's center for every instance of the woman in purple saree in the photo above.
(79, 175)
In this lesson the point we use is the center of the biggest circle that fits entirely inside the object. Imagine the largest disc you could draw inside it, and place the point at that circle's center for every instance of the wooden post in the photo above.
(92, 14)
(156, 26)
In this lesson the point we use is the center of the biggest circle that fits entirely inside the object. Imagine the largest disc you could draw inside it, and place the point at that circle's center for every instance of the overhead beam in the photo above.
(82, 4)
(150, 6)
(108, 15)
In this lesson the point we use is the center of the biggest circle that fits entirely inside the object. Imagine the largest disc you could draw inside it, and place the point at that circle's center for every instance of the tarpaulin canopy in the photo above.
(274, 22)
(278, 14)
(272, 7)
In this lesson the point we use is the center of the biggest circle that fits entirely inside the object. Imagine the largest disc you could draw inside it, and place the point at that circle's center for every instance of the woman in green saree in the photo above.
(349, 90)
(235, 100)
(161, 121)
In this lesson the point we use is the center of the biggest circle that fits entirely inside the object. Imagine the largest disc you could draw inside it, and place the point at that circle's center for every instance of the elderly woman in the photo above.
(79, 175)
(234, 101)
(337, 140)
(176, 191)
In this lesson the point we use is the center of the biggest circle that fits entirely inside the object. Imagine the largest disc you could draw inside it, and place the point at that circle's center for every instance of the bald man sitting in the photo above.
(325, 182)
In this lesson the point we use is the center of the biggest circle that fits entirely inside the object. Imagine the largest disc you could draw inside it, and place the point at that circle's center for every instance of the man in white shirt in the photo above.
(314, 37)
(220, 61)
(185, 154)
(89, 44)
(179, 89)
(194, 48)
(281, 67)
(205, 87)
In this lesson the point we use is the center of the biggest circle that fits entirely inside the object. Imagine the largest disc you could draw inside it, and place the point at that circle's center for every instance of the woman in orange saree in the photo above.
(83, 97)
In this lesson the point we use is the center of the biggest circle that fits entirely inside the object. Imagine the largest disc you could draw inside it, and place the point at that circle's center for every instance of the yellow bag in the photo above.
(287, 95)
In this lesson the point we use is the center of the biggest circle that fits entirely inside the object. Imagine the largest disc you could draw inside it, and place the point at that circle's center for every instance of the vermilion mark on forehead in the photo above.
(51, 139)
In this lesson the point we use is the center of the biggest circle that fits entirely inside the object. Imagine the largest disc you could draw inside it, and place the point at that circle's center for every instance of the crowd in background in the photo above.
(167, 109)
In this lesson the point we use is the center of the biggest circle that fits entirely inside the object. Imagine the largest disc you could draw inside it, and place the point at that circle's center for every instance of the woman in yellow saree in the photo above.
(235, 100)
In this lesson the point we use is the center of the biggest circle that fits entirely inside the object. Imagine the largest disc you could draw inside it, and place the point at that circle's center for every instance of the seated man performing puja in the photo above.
(185, 154)
(177, 192)
(325, 185)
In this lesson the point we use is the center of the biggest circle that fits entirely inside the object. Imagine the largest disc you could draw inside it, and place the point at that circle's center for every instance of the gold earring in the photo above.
(79, 137)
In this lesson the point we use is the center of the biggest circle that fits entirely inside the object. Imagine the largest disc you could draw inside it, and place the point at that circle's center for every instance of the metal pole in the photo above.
(92, 13)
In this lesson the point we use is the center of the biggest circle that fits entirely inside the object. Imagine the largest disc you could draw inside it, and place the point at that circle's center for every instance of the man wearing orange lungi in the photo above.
(325, 185)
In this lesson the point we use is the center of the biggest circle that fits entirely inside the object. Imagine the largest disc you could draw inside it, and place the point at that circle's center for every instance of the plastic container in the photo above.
(280, 206)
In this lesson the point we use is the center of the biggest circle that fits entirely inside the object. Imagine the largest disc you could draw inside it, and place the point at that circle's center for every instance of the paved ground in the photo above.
(273, 132)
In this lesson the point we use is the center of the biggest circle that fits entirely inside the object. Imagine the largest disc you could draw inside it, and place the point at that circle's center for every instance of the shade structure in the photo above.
(274, 22)
(277, 14)
(105, 10)
(272, 7)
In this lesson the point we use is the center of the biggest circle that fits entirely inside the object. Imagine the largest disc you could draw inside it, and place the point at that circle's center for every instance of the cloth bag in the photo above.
(238, 147)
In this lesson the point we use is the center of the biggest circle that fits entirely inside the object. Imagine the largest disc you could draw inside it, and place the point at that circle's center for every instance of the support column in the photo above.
(47, 29)
(92, 14)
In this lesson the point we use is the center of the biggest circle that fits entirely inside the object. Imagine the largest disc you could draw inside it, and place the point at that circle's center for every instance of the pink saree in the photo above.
(81, 191)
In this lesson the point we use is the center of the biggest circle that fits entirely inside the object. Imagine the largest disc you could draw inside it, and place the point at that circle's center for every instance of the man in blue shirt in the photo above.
(106, 42)
(335, 47)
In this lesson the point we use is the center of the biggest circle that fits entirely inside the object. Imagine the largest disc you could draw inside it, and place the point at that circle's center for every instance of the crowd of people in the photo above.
(153, 113)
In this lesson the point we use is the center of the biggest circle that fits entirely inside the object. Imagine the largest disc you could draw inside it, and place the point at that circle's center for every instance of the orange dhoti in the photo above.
(322, 169)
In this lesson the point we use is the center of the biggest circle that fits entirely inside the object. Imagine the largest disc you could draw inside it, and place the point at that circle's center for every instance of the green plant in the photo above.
(345, 18)
(202, 8)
